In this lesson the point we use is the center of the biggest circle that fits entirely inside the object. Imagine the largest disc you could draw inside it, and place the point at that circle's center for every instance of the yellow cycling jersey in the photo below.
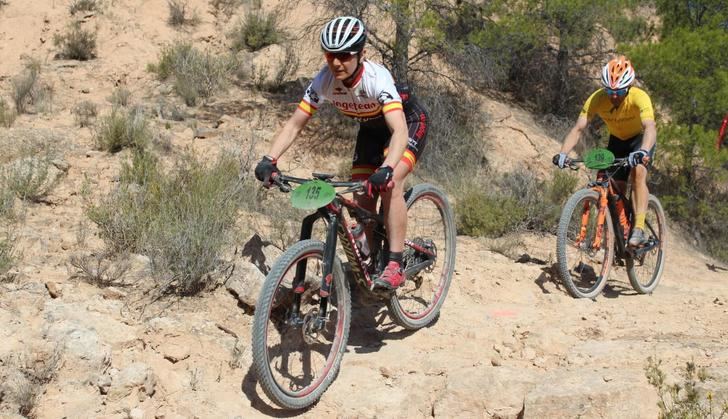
(625, 121)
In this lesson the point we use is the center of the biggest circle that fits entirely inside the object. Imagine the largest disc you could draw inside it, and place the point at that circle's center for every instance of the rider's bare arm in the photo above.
(398, 144)
(288, 133)
(572, 138)
(649, 136)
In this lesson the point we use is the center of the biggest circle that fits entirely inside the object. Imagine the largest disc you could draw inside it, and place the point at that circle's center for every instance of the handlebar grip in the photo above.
(275, 179)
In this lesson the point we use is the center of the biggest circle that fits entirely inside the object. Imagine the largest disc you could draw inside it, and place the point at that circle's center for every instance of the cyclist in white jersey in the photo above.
(392, 133)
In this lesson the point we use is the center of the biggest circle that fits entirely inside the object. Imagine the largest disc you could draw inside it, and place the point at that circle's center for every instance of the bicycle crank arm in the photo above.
(416, 268)
(642, 250)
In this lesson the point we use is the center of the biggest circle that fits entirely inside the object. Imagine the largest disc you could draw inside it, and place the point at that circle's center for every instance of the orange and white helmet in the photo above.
(618, 73)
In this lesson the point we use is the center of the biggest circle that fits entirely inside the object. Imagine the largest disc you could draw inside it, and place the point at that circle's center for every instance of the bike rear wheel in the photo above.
(584, 268)
(296, 363)
(645, 269)
(430, 226)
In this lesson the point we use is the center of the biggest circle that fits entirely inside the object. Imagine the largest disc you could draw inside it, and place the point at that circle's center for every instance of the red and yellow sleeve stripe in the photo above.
(308, 108)
(392, 106)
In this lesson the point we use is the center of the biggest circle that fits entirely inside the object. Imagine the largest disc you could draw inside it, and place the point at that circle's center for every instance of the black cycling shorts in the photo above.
(622, 148)
(372, 141)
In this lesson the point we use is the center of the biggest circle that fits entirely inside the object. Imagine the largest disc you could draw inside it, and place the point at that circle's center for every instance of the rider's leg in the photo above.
(395, 210)
(640, 195)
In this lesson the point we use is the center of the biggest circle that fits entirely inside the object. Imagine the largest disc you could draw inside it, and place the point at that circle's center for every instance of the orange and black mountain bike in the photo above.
(593, 231)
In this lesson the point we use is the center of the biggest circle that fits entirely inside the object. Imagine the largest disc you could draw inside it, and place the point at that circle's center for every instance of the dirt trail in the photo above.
(509, 342)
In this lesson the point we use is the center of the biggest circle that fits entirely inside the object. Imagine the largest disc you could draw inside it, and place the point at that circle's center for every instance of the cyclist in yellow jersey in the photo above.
(627, 111)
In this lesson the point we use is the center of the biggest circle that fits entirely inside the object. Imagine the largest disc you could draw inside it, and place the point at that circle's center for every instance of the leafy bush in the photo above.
(688, 73)
(178, 13)
(683, 400)
(689, 178)
(76, 44)
(121, 129)
(25, 86)
(455, 148)
(7, 114)
(180, 218)
(286, 66)
(84, 6)
(7, 218)
(256, 31)
(120, 97)
(490, 215)
(31, 178)
(515, 201)
(84, 113)
(196, 74)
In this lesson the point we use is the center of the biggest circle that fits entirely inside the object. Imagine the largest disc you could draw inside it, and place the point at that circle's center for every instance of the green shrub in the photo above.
(84, 6)
(178, 14)
(489, 215)
(180, 218)
(84, 113)
(121, 129)
(76, 44)
(7, 219)
(120, 97)
(7, 114)
(256, 31)
(195, 74)
(25, 86)
(455, 150)
(31, 178)
(684, 400)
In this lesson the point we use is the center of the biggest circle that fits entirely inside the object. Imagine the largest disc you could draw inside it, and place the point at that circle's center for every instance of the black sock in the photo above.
(395, 257)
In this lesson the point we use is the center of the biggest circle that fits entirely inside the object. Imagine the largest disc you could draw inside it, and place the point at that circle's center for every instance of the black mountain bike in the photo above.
(593, 231)
(303, 313)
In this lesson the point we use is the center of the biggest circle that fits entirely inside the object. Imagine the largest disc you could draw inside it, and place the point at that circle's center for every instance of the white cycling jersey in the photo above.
(371, 95)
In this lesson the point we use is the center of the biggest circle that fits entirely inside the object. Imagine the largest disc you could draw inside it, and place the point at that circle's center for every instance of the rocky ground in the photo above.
(510, 342)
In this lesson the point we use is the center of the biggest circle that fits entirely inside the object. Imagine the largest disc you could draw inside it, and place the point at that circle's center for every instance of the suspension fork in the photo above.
(329, 259)
(601, 217)
(300, 277)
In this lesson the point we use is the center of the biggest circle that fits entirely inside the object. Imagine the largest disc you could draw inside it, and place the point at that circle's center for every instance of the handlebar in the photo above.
(284, 182)
(618, 162)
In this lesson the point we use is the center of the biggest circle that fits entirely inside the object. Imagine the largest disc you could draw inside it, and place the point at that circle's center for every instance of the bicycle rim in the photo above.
(294, 366)
(645, 270)
(584, 255)
(430, 225)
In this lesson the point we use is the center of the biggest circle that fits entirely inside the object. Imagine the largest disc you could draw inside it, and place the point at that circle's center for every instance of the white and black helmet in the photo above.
(343, 34)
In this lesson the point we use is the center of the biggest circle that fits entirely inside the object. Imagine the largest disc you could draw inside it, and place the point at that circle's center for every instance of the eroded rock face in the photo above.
(594, 394)
(245, 283)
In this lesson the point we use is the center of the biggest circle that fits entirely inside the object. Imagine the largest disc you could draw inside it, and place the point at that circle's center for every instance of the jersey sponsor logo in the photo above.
(384, 96)
(339, 91)
(354, 107)
(362, 94)
(312, 94)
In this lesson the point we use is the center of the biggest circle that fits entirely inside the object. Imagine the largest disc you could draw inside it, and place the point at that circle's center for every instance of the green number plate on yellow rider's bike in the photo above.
(598, 158)
(313, 194)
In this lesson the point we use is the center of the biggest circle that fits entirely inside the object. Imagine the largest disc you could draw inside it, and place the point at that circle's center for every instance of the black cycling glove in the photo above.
(381, 180)
(265, 169)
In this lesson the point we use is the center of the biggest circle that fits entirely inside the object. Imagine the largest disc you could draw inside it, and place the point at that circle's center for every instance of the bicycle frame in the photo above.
(337, 229)
(609, 194)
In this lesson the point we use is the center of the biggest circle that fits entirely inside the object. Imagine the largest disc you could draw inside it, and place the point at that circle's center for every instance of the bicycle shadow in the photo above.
(249, 388)
(550, 274)
(371, 326)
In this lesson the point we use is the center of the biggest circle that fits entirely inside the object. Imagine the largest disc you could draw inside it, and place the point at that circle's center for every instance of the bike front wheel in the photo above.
(584, 245)
(295, 355)
(644, 267)
(429, 258)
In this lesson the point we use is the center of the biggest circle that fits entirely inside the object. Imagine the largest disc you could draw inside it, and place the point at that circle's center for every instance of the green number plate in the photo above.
(312, 195)
(598, 158)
